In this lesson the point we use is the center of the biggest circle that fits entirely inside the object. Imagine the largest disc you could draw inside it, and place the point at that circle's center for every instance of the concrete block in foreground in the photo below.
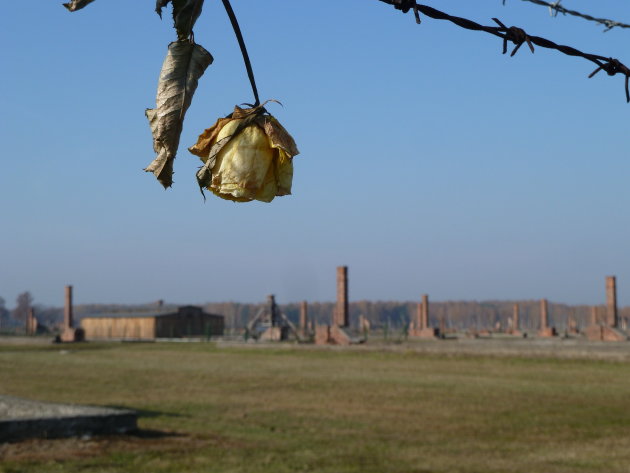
(22, 418)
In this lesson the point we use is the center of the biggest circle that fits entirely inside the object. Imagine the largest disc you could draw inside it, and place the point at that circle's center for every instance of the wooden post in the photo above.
(271, 308)
(304, 318)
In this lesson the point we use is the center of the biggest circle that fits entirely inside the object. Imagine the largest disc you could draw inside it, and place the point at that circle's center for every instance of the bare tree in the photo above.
(4, 313)
(23, 305)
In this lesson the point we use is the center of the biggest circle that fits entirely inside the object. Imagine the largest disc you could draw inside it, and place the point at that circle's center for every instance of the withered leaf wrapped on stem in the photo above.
(75, 5)
(185, 63)
(247, 156)
(185, 14)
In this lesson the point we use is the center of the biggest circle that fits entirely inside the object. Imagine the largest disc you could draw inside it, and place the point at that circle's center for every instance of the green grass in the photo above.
(301, 410)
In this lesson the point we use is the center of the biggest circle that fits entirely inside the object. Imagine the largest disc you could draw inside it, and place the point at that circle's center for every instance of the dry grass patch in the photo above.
(298, 410)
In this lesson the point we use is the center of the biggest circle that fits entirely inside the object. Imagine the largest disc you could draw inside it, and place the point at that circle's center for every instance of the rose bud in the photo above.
(247, 156)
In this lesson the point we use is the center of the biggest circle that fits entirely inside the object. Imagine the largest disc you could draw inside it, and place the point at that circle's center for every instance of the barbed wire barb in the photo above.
(518, 36)
(514, 34)
(553, 11)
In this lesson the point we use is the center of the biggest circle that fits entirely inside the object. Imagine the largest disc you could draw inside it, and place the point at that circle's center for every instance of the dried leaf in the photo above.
(185, 63)
(279, 136)
(185, 14)
(159, 4)
(75, 5)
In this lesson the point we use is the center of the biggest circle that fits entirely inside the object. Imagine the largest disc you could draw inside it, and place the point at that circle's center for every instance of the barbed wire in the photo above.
(517, 36)
(555, 8)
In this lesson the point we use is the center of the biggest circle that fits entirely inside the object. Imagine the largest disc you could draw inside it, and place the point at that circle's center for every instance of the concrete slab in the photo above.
(23, 418)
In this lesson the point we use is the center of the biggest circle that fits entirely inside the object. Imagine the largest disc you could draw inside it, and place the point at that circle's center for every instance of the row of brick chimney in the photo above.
(341, 316)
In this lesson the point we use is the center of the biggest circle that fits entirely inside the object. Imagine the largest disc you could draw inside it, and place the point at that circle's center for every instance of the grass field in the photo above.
(209, 409)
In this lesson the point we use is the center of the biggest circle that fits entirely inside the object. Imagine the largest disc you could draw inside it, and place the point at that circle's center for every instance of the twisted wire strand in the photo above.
(555, 8)
(518, 37)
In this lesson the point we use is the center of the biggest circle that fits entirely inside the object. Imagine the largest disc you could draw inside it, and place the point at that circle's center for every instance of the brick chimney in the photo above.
(612, 316)
(68, 321)
(544, 314)
(425, 311)
(341, 317)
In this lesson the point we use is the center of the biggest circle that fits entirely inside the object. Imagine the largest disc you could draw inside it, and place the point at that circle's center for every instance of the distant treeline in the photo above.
(456, 315)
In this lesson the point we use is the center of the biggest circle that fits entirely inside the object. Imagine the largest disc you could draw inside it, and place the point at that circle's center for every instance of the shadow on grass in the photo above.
(49, 345)
(150, 434)
(153, 434)
(145, 412)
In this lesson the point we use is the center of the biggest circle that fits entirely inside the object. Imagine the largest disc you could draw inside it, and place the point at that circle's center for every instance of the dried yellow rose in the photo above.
(247, 156)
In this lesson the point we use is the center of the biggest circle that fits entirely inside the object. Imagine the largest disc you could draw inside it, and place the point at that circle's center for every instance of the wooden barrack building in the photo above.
(187, 322)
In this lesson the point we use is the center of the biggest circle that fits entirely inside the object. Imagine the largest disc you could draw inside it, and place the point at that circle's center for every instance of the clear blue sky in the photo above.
(429, 162)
